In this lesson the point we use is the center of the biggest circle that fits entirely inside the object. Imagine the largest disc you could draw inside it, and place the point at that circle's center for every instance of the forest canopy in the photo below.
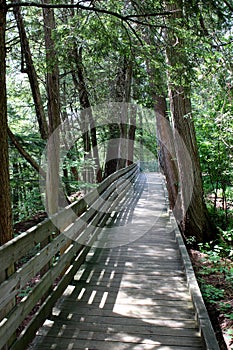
(168, 64)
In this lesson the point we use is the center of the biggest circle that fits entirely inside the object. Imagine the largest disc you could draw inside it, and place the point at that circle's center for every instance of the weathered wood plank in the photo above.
(121, 335)
(205, 325)
(18, 247)
(20, 312)
(132, 296)
(19, 279)
(133, 338)
(92, 217)
(158, 313)
(141, 329)
(158, 273)
(34, 324)
(133, 289)
(28, 334)
(106, 276)
(22, 276)
(127, 297)
(104, 345)
(82, 295)
(114, 319)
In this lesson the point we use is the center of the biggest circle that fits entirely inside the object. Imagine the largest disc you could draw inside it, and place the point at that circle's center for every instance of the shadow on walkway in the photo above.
(130, 296)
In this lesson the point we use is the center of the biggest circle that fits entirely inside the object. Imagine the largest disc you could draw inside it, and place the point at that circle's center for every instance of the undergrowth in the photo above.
(213, 263)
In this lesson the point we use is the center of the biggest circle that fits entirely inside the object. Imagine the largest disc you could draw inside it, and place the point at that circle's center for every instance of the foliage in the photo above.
(213, 108)
(218, 262)
(105, 43)
(215, 275)
(24, 180)
(219, 249)
(211, 293)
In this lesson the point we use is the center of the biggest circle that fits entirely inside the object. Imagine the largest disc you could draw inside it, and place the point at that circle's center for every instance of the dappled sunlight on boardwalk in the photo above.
(131, 293)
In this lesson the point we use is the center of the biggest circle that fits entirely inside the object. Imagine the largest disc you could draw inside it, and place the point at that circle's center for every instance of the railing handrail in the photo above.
(41, 231)
(201, 314)
(74, 241)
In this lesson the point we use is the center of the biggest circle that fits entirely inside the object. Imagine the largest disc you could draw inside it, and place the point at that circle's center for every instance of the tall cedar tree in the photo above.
(53, 92)
(5, 212)
(194, 220)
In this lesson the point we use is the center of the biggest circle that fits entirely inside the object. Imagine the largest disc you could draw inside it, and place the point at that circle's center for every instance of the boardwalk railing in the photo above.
(39, 264)
(201, 314)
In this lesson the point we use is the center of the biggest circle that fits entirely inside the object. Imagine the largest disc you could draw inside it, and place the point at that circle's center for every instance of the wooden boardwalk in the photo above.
(132, 292)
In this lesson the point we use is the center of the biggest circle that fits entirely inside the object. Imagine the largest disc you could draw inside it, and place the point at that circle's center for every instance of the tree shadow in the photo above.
(130, 296)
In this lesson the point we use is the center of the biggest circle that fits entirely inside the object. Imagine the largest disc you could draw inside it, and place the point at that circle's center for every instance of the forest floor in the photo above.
(220, 310)
(222, 324)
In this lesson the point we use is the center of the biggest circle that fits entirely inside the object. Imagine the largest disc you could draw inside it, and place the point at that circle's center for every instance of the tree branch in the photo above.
(155, 14)
(126, 19)
(24, 153)
(89, 8)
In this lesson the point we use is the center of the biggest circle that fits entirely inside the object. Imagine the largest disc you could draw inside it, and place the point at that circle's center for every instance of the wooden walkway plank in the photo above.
(131, 293)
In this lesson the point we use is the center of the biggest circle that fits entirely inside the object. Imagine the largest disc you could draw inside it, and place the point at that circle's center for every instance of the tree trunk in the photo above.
(112, 153)
(6, 230)
(126, 145)
(165, 139)
(131, 135)
(117, 149)
(52, 179)
(195, 221)
(5, 198)
(167, 156)
(31, 72)
(87, 113)
(141, 147)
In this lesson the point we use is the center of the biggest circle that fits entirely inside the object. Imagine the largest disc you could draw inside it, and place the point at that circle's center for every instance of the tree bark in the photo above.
(6, 231)
(117, 149)
(126, 144)
(112, 154)
(52, 178)
(167, 155)
(195, 220)
(165, 138)
(131, 135)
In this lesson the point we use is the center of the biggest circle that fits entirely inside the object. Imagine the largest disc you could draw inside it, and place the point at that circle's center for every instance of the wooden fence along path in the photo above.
(119, 277)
